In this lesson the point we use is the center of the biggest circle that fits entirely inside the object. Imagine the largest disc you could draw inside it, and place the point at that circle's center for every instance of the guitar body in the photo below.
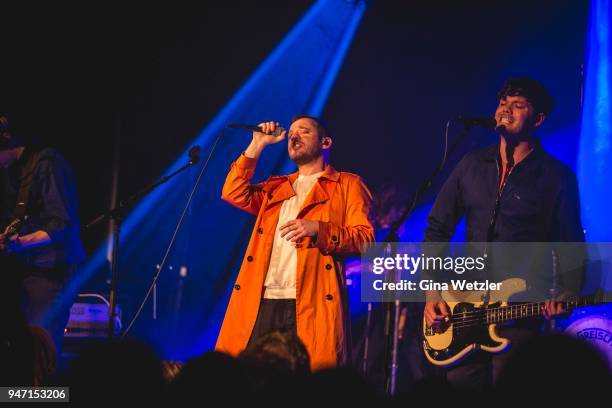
(450, 343)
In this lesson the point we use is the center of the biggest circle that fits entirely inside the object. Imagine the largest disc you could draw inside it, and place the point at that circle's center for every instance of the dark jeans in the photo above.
(45, 302)
(482, 369)
(274, 314)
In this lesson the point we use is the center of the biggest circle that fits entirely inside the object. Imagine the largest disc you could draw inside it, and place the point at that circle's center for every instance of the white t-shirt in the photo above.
(280, 279)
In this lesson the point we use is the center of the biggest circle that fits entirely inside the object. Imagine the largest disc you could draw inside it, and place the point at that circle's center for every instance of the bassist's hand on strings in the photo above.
(554, 307)
(436, 312)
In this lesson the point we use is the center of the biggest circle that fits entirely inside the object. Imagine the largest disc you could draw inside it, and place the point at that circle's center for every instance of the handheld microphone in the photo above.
(485, 122)
(254, 128)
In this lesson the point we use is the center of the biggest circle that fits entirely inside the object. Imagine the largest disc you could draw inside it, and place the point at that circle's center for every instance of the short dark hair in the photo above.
(279, 349)
(322, 126)
(531, 90)
(8, 140)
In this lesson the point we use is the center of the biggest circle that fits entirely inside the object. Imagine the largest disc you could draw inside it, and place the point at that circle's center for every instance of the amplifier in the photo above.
(90, 320)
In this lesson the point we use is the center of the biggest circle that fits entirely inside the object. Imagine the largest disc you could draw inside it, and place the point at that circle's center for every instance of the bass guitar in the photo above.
(472, 323)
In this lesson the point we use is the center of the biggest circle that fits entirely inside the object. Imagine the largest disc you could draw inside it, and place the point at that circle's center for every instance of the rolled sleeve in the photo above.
(238, 190)
(244, 167)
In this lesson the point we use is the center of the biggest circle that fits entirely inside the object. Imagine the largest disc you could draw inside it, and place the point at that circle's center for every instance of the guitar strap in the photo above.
(510, 146)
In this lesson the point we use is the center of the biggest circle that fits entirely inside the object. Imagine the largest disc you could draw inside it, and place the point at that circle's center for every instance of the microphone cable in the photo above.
(174, 235)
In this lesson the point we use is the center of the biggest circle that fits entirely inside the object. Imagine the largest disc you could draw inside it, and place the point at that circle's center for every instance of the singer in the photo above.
(292, 275)
(512, 191)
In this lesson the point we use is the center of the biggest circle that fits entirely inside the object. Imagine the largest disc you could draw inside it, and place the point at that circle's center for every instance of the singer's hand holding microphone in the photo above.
(269, 133)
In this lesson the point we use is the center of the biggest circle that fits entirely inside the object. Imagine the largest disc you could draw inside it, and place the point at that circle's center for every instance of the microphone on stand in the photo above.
(500, 129)
(255, 128)
(485, 122)
(194, 154)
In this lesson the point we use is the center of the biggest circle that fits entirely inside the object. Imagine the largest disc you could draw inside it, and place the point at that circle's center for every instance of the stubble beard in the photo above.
(305, 157)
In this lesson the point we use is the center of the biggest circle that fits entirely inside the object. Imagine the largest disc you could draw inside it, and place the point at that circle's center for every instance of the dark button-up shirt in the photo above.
(539, 203)
(52, 207)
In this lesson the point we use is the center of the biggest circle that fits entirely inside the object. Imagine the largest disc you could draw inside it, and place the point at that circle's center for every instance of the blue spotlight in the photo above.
(596, 133)
(295, 78)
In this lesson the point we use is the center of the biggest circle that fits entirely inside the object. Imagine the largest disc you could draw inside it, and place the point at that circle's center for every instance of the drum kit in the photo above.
(594, 325)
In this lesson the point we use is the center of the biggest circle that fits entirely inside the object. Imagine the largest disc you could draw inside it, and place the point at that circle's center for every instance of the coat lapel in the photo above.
(317, 195)
(322, 189)
(280, 188)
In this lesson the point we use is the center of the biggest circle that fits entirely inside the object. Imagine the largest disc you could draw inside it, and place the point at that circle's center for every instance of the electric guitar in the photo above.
(472, 324)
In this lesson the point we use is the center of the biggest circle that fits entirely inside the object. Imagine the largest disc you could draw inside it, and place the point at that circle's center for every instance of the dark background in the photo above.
(80, 74)
(148, 77)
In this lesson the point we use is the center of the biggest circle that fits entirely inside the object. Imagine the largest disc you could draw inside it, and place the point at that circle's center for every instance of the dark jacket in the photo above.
(52, 207)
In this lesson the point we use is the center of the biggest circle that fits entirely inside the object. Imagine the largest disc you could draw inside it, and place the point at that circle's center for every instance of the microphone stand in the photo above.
(391, 337)
(116, 214)
(427, 183)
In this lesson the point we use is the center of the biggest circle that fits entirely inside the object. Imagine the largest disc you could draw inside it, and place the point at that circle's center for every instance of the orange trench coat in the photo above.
(342, 204)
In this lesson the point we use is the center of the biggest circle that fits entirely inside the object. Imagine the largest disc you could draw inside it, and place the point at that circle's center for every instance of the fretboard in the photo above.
(525, 310)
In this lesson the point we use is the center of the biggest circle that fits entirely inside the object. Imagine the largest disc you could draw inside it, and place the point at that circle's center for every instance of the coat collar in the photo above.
(329, 173)
(280, 188)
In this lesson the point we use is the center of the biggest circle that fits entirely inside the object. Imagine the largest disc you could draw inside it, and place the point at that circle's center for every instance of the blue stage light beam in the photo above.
(295, 78)
(596, 132)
